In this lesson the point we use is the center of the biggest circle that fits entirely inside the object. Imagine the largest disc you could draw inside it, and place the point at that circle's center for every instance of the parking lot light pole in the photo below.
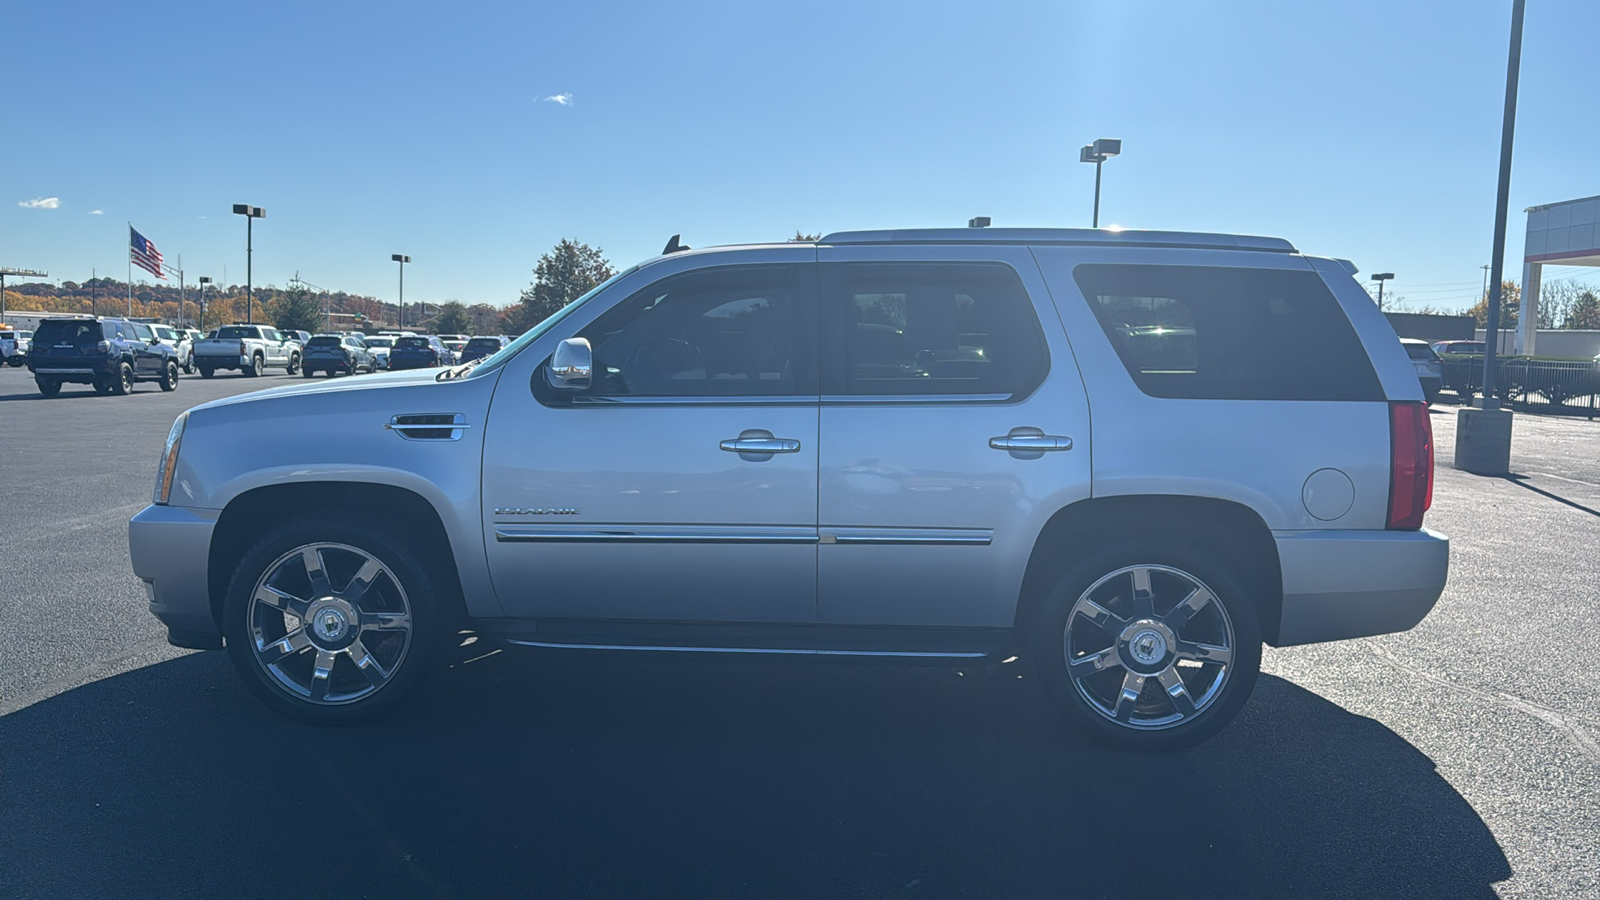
(1380, 278)
(204, 280)
(1483, 433)
(1097, 153)
(402, 259)
(250, 213)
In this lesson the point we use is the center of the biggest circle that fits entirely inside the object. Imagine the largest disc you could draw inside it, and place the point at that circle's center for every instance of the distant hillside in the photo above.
(107, 296)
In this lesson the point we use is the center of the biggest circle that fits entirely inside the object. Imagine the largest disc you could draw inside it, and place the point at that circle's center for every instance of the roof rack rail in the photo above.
(1082, 236)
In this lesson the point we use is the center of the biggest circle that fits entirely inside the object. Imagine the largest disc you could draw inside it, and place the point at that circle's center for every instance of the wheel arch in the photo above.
(1228, 529)
(236, 529)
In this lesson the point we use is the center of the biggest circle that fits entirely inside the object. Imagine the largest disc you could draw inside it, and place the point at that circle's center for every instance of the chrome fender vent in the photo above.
(429, 426)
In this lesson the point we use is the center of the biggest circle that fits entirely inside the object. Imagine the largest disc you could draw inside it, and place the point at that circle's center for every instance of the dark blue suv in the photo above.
(419, 352)
(110, 354)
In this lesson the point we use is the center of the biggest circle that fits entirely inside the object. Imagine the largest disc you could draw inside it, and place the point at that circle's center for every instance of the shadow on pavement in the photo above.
(607, 777)
(1521, 481)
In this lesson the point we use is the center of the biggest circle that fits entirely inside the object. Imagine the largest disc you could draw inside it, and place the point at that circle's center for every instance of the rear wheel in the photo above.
(122, 382)
(188, 364)
(207, 371)
(332, 622)
(254, 369)
(49, 387)
(169, 376)
(102, 386)
(1150, 645)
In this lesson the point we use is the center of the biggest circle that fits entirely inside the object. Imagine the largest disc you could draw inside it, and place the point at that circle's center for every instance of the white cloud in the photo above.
(40, 203)
(562, 99)
(97, 212)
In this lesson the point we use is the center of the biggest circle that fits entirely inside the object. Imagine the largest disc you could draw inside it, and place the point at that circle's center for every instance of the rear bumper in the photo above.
(1350, 584)
(230, 361)
(73, 368)
(169, 547)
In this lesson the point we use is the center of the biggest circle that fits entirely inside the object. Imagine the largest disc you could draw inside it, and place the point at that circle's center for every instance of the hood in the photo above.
(405, 378)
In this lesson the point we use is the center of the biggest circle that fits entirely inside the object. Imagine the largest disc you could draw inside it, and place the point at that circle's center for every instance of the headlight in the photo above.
(169, 461)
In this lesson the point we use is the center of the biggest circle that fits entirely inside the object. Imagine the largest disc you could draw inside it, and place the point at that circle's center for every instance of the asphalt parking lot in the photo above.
(1461, 759)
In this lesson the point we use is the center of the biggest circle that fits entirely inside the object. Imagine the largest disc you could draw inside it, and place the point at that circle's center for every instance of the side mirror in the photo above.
(572, 366)
(155, 342)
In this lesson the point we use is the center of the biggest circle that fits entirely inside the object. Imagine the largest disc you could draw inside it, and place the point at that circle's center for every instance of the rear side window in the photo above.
(1219, 333)
(929, 329)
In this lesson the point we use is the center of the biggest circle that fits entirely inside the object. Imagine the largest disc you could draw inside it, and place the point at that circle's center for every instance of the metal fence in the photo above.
(1552, 387)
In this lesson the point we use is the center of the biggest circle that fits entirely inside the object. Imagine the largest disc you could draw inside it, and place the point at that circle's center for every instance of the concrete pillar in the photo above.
(1528, 314)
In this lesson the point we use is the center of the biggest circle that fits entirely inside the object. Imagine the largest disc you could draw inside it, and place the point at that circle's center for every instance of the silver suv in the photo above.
(1127, 458)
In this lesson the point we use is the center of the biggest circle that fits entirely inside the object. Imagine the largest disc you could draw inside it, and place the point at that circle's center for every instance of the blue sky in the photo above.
(1367, 130)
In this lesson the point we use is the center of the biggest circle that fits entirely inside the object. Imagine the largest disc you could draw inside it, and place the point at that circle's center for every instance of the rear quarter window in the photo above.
(1223, 333)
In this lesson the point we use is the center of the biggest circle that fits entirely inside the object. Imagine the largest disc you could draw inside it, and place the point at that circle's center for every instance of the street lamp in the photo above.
(402, 260)
(204, 280)
(1380, 278)
(250, 213)
(1097, 153)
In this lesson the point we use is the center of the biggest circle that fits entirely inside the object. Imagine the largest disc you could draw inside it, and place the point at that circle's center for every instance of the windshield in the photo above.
(490, 363)
(76, 332)
(235, 332)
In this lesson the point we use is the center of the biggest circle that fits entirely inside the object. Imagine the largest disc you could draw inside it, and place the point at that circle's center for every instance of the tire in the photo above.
(102, 386)
(350, 370)
(207, 371)
(16, 362)
(294, 364)
(399, 623)
(169, 376)
(188, 364)
(122, 382)
(255, 367)
(309, 373)
(49, 387)
(1123, 642)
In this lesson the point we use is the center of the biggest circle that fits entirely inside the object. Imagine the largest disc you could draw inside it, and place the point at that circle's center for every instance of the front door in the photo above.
(682, 485)
(148, 358)
(954, 423)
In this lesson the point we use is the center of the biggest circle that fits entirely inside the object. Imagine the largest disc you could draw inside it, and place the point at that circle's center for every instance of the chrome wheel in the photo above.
(1149, 647)
(325, 645)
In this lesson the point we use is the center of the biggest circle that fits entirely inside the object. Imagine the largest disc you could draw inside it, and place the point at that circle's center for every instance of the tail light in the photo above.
(243, 348)
(103, 347)
(1410, 464)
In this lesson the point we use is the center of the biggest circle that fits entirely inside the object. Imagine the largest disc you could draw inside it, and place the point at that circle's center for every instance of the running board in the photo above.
(766, 651)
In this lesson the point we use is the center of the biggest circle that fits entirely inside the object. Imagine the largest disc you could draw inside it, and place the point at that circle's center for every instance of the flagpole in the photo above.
(130, 270)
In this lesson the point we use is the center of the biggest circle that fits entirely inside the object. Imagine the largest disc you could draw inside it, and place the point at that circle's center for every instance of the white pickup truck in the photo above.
(248, 348)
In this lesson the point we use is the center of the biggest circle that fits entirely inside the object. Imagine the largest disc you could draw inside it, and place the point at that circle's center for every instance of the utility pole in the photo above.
(1380, 278)
(250, 213)
(402, 259)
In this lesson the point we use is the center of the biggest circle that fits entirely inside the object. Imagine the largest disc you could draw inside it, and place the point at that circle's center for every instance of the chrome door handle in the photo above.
(1030, 443)
(761, 445)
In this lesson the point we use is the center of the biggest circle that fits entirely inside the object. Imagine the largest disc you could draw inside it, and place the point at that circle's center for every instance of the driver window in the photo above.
(730, 332)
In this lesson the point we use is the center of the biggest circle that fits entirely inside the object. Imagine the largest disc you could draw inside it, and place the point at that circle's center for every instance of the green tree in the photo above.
(802, 236)
(298, 309)
(1585, 312)
(453, 318)
(570, 270)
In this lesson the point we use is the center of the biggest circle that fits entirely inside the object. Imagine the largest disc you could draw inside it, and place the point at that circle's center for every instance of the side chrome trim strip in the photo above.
(769, 651)
(625, 534)
(974, 536)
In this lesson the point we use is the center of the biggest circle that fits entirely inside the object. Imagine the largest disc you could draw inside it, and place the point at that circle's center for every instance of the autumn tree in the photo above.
(1510, 300)
(570, 270)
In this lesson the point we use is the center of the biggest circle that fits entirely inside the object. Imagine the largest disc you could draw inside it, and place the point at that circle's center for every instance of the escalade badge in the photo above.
(537, 511)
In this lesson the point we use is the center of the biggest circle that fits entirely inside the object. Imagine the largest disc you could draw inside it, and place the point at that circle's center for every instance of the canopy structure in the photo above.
(1566, 233)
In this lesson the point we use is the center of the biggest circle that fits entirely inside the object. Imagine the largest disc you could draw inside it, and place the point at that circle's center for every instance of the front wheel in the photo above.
(1150, 645)
(332, 622)
(169, 376)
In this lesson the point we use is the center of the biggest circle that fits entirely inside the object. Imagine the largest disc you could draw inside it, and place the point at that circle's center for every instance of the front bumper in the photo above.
(169, 546)
(1350, 584)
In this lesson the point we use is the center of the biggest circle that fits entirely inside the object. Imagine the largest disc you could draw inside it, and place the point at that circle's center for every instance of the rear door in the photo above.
(953, 424)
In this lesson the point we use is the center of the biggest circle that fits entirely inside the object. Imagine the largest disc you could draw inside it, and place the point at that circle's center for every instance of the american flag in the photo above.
(144, 254)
